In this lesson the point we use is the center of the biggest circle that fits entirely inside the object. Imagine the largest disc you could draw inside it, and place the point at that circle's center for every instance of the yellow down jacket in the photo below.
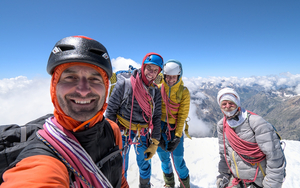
(178, 94)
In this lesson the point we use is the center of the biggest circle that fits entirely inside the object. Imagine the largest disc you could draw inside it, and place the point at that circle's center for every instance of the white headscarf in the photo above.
(230, 95)
(227, 90)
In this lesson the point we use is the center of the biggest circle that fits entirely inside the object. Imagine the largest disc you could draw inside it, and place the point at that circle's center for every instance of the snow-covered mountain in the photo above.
(274, 99)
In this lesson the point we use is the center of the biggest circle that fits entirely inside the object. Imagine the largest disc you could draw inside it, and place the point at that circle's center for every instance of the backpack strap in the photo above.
(23, 134)
(127, 90)
(114, 151)
(186, 129)
(113, 80)
(159, 78)
(179, 93)
(109, 157)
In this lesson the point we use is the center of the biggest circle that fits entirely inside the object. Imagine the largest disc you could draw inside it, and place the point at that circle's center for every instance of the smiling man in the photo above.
(73, 148)
(135, 104)
(250, 152)
(80, 92)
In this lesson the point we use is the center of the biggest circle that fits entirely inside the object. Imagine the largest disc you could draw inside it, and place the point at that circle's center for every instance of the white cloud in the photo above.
(120, 63)
(22, 100)
(268, 82)
(197, 127)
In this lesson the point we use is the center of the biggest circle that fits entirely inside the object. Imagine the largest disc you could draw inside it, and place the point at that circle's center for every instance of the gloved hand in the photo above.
(162, 143)
(173, 144)
(222, 181)
(151, 150)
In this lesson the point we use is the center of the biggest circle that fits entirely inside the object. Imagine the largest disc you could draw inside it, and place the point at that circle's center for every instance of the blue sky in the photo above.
(220, 38)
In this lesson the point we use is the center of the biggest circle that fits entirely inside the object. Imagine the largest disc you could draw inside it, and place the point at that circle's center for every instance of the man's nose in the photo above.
(151, 71)
(83, 87)
(227, 105)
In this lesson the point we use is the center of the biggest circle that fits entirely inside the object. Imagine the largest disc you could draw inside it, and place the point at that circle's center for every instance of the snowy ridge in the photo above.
(267, 83)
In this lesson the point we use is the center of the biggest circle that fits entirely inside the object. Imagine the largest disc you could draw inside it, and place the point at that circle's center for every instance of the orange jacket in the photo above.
(46, 171)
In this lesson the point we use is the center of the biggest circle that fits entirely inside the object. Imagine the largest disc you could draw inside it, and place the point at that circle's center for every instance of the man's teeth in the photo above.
(82, 102)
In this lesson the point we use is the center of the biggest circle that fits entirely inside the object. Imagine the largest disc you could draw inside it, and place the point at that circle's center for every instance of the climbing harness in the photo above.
(145, 101)
(243, 148)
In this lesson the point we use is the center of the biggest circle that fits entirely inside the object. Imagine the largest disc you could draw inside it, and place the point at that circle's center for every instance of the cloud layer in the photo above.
(22, 99)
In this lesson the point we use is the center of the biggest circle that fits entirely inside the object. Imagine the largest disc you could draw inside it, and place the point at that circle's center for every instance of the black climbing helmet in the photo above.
(79, 49)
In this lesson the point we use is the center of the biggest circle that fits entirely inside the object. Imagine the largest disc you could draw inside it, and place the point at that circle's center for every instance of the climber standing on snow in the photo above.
(175, 110)
(135, 104)
(249, 147)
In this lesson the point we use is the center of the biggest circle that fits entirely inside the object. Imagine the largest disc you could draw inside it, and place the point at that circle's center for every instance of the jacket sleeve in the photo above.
(269, 143)
(115, 100)
(157, 115)
(118, 140)
(222, 166)
(183, 112)
(37, 171)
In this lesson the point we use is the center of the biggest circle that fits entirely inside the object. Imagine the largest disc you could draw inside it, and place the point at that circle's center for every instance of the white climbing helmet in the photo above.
(172, 68)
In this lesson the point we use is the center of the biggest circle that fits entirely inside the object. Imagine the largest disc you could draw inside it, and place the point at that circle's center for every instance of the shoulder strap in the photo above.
(113, 80)
(179, 93)
(23, 134)
(114, 151)
(251, 113)
(153, 90)
(108, 157)
(126, 90)
(159, 78)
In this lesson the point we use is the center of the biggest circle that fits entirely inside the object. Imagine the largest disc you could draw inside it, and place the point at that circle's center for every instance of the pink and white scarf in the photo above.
(73, 155)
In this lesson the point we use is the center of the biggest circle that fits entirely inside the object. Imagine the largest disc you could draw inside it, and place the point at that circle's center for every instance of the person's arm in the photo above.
(37, 171)
(269, 143)
(118, 140)
(183, 112)
(222, 167)
(224, 172)
(115, 100)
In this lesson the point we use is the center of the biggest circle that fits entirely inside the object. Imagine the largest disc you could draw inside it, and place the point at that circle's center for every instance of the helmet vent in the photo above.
(97, 52)
(66, 48)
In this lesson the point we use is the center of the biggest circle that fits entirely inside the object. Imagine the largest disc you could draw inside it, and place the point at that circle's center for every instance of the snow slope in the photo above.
(201, 156)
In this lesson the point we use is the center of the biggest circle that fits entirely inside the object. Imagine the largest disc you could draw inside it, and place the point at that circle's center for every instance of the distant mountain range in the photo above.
(279, 106)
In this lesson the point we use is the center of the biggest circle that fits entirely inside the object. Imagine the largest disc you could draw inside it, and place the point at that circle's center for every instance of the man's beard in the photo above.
(230, 113)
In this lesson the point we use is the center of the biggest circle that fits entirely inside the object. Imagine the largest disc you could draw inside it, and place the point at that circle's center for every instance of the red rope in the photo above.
(242, 147)
(176, 170)
(170, 105)
(145, 102)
